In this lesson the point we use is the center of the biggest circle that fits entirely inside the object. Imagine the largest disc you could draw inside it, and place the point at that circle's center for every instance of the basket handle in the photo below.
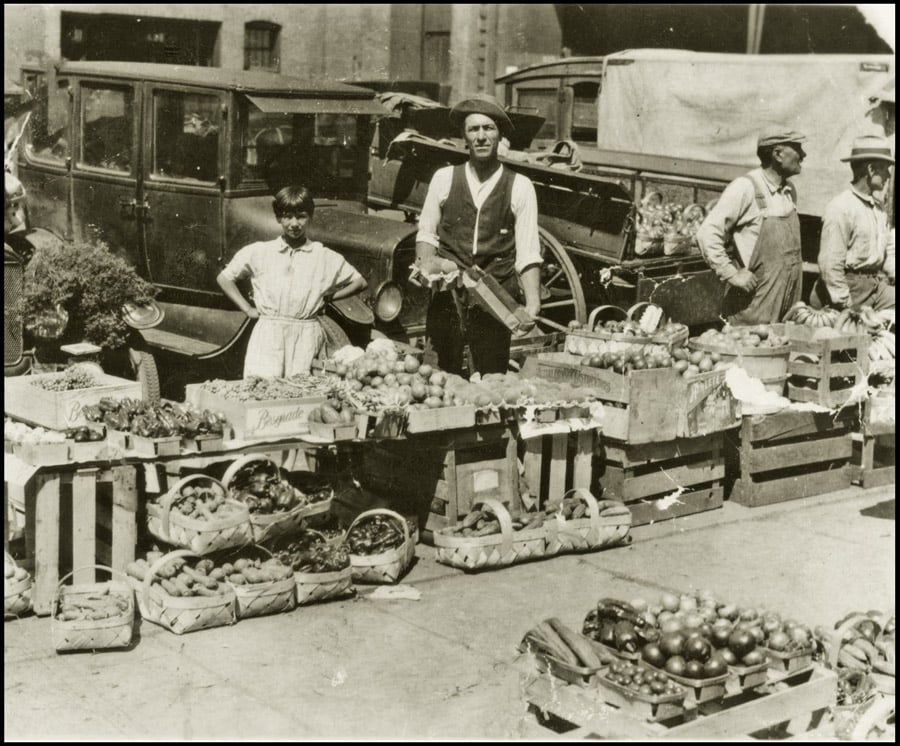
(506, 529)
(694, 207)
(155, 568)
(382, 511)
(592, 319)
(62, 580)
(655, 197)
(166, 501)
(591, 502)
(240, 463)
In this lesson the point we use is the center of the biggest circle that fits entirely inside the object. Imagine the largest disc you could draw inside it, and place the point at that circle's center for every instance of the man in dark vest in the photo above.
(479, 213)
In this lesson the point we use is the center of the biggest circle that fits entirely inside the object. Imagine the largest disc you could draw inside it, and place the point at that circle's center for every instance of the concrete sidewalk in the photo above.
(443, 667)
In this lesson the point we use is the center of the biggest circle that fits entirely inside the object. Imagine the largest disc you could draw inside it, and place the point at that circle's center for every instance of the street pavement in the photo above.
(444, 667)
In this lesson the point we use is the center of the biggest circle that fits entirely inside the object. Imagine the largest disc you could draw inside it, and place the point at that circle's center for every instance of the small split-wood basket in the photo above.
(495, 550)
(93, 634)
(16, 593)
(386, 567)
(314, 587)
(181, 614)
(268, 597)
(199, 536)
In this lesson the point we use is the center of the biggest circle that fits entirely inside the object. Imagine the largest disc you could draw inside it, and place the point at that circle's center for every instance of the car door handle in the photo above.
(127, 208)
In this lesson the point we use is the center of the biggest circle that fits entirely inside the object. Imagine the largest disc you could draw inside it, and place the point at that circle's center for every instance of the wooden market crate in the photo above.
(257, 419)
(788, 455)
(444, 473)
(79, 518)
(60, 410)
(874, 445)
(796, 701)
(836, 359)
(649, 406)
(560, 462)
(645, 476)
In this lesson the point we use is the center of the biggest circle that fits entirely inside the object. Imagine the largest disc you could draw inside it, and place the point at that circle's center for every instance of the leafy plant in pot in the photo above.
(77, 292)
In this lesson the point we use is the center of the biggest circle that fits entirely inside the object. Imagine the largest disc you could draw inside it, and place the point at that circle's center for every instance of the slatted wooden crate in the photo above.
(789, 703)
(840, 363)
(557, 463)
(788, 455)
(448, 470)
(645, 476)
(79, 518)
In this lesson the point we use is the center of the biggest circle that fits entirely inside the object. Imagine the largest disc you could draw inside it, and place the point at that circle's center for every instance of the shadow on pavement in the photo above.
(884, 509)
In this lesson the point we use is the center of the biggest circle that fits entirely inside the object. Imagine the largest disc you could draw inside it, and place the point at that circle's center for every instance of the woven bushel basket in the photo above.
(386, 567)
(16, 597)
(182, 614)
(607, 524)
(93, 634)
(495, 550)
(313, 587)
(199, 536)
(259, 599)
(268, 526)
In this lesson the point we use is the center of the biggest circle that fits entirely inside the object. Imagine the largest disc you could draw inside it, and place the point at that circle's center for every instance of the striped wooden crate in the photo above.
(658, 481)
(75, 519)
(788, 455)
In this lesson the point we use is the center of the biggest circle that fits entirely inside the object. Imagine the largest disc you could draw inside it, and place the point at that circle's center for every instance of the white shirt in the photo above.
(523, 202)
(287, 282)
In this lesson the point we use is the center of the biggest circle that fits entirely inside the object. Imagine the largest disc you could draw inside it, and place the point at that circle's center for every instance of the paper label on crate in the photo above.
(286, 420)
(485, 480)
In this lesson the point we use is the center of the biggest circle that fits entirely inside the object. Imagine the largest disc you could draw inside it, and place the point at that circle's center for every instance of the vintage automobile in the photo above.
(175, 167)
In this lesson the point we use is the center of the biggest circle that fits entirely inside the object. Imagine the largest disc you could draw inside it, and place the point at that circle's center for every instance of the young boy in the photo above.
(291, 278)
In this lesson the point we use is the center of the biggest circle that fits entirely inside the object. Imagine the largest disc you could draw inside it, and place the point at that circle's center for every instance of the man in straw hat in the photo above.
(478, 213)
(856, 251)
(751, 238)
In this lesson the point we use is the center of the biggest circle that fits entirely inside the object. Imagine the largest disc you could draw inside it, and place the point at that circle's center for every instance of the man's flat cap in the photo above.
(481, 103)
(779, 136)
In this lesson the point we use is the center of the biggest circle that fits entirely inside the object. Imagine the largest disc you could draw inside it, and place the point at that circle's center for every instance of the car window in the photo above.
(49, 121)
(186, 129)
(107, 127)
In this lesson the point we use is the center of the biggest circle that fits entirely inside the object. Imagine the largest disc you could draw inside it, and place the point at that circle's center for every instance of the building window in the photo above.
(261, 46)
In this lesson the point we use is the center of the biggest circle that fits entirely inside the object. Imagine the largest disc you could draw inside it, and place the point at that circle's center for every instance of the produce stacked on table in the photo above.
(78, 376)
(254, 388)
(20, 433)
(164, 420)
(666, 227)
(863, 320)
(736, 339)
(622, 336)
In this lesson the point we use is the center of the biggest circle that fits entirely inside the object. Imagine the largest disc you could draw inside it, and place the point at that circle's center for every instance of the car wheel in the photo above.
(143, 366)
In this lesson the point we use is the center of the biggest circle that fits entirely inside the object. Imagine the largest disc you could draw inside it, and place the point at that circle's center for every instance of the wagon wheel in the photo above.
(562, 297)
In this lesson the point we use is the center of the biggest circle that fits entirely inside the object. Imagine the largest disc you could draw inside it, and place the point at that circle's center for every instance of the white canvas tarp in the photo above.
(711, 107)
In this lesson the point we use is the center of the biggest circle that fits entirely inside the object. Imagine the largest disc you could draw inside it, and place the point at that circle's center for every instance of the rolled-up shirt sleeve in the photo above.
(714, 233)
(241, 264)
(525, 208)
(833, 254)
(430, 217)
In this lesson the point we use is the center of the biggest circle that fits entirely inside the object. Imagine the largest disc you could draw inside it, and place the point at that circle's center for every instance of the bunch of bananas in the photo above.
(881, 346)
(864, 644)
(800, 313)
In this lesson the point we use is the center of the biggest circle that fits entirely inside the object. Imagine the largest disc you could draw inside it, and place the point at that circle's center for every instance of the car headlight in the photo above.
(388, 301)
